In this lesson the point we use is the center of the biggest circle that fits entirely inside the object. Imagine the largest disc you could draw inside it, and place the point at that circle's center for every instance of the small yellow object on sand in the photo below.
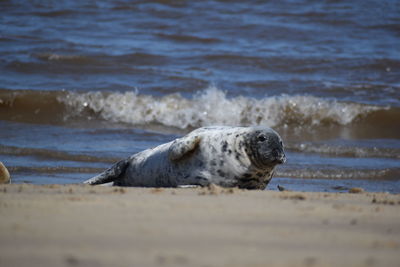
(4, 174)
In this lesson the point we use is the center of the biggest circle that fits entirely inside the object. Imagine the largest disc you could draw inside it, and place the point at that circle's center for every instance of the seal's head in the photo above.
(265, 148)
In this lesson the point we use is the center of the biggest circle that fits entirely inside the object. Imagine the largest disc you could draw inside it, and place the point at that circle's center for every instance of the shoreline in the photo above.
(80, 225)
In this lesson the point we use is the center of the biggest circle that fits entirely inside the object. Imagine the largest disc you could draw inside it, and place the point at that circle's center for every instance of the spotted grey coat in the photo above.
(227, 156)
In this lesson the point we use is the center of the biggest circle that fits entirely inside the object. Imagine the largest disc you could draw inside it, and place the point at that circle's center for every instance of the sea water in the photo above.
(86, 83)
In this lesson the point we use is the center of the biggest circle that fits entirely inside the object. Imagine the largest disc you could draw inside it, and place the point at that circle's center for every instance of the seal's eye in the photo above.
(262, 138)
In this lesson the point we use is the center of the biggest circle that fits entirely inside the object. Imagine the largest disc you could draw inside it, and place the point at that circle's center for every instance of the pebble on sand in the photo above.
(4, 174)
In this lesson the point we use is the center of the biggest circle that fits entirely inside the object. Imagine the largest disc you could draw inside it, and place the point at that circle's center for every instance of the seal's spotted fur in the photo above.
(226, 156)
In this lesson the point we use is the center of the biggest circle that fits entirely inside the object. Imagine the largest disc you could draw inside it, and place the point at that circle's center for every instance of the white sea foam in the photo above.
(212, 106)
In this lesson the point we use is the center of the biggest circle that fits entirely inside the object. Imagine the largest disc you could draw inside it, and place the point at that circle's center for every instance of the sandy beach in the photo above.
(76, 225)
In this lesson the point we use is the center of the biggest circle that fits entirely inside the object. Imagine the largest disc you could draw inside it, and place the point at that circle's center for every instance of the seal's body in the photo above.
(227, 156)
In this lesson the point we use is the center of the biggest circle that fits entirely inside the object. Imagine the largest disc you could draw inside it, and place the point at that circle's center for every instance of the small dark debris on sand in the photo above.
(340, 187)
(356, 190)
(281, 188)
(156, 190)
(385, 201)
(120, 190)
(294, 197)
(213, 189)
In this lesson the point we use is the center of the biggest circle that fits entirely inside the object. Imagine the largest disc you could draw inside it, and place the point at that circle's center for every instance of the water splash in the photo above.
(212, 106)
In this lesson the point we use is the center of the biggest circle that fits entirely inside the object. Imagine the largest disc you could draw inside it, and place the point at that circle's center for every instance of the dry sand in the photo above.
(77, 225)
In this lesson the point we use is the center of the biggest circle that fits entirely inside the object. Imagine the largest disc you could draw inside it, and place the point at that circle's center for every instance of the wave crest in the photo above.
(212, 106)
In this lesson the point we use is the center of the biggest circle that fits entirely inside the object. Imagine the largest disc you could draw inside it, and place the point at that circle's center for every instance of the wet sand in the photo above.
(76, 225)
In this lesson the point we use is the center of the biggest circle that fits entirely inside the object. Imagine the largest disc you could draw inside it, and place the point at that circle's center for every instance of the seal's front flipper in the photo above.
(183, 146)
(110, 175)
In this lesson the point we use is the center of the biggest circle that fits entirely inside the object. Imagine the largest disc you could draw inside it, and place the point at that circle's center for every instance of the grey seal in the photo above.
(243, 157)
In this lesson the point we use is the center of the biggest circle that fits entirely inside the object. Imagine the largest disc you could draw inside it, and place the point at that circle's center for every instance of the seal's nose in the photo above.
(281, 159)
(279, 156)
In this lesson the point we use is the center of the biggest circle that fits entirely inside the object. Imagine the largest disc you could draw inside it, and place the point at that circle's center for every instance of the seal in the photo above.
(243, 157)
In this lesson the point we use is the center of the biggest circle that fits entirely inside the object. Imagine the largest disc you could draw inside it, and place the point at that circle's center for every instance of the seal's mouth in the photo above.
(278, 157)
(268, 160)
(280, 160)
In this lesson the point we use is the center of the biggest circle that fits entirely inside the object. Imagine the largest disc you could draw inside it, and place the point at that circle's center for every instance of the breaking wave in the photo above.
(212, 106)
(209, 107)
